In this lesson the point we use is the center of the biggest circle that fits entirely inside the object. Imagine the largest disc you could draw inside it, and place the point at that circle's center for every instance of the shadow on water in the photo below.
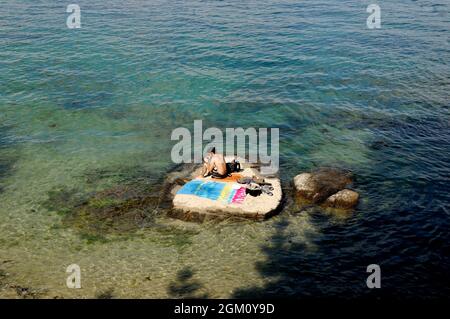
(6, 165)
(410, 181)
(401, 224)
(185, 286)
(289, 275)
(333, 268)
(106, 294)
(11, 289)
(7, 158)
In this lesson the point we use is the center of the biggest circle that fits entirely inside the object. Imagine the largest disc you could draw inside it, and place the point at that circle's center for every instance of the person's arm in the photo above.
(207, 166)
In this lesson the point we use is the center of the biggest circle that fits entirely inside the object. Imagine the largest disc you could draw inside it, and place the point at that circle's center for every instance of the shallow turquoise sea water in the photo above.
(105, 98)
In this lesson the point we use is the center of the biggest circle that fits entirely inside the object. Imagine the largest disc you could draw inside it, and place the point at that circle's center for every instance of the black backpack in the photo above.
(234, 166)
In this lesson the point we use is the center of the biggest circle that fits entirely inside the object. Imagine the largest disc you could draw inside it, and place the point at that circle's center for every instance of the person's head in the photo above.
(211, 151)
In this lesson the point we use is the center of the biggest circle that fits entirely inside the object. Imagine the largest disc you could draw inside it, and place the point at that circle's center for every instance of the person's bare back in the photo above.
(214, 164)
(219, 164)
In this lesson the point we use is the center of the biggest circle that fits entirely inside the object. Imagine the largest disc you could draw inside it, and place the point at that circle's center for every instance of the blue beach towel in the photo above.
(211, 190)
(224, 192)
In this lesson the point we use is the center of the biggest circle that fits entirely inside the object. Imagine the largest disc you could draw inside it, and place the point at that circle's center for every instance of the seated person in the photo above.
(214, 165)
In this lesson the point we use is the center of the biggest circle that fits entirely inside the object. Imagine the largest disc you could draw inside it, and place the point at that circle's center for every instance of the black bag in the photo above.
(234, 166)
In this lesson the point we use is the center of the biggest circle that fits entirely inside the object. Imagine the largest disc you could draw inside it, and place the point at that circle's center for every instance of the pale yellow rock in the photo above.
(303, 184)
(325, 187)
(345, 198)
(192, 207)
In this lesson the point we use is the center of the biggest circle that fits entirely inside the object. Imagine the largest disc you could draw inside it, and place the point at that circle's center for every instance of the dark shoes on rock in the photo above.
(256, 188)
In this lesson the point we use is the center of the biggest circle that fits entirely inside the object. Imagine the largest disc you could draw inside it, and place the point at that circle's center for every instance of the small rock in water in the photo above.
(303, 185)
(378, 145)
(345, 198)
(322, 183)
(326, 187)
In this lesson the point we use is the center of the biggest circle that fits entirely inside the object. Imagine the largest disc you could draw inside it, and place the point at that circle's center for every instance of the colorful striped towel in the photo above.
(224, 192)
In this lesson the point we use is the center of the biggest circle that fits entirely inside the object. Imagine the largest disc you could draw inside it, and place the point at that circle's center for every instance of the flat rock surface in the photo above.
(191, 207)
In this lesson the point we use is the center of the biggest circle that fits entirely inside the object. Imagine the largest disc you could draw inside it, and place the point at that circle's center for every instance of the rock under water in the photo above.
(345, 198)
(326, 187)
(119, 210)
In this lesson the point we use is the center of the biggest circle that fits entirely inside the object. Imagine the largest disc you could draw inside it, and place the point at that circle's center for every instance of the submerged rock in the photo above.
(304, 185)
(345, 199)
(118, 210)
(326, 187)
(134, 203)
(319, 185)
